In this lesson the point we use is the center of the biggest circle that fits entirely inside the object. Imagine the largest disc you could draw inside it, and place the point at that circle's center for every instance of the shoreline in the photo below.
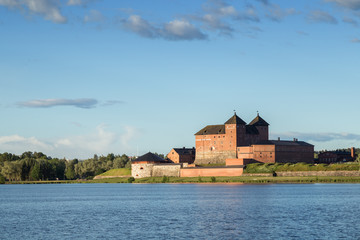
(208, 180)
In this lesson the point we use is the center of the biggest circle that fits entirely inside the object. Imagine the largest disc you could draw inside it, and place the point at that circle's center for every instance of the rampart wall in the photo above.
(169, 170)
(210, 172)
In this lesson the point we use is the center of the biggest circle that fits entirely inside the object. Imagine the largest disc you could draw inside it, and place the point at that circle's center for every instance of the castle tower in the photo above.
(235, 132)
(262, 127)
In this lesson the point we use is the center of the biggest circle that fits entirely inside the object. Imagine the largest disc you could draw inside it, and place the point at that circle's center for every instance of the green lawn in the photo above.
(117, 172)
(288, 167)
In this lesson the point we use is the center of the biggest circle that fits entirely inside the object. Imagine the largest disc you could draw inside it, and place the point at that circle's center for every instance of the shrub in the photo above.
(199, 179)
(2, 179)
(213, 179)
(165, 179)
(130, 179)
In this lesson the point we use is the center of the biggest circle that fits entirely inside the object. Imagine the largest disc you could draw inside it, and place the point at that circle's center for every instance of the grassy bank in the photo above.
(288, 167)
(117, 172)
(241, 179)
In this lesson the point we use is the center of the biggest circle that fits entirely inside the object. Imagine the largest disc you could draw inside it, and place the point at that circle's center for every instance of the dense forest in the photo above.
(32, 166)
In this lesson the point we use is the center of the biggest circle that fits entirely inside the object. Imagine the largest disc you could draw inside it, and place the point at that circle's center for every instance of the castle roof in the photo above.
(258, 121)
(185, 151)
(283, 143)
(212, 129)
(149, 157)
(235, 120)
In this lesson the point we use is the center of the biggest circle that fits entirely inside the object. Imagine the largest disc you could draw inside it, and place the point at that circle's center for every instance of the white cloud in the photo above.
(350, 4)
(94, 16)
(174, 30)
(14, 142)
(100, 141)
(276, 13)
(74, 2)
(49, 9)
(82, 3)
(137, 24)
(320, 16)
(319, 137)
(46, 103)
(350, 21)
(182, 30)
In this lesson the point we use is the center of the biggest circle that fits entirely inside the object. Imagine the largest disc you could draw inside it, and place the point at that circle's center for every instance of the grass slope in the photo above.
(117, 172)
(288, 167)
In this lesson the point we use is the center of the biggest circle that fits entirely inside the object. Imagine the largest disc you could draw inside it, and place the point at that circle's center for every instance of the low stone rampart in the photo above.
(169, 170)
(319, 174)
(211, 172)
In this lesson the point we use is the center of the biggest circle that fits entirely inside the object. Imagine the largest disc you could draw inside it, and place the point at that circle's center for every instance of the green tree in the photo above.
(35, 172)
(2, 179)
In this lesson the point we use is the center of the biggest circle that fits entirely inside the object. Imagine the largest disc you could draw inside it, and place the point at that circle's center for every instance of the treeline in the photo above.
(33, 166)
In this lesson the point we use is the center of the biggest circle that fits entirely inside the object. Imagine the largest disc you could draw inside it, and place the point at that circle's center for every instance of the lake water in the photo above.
(180, 211)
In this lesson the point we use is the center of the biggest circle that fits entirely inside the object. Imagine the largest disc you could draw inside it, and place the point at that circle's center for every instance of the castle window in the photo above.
(141, 168)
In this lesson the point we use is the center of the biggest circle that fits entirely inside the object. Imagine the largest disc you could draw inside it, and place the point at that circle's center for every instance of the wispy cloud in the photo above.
(321, 17)
(277, 14)
(94, 16)
(173, 30)
(318, 137)
(49, 9)
(100, 140)
(350, 21)
(350, 4)
(47, 103)
(355, 40)
(112, 102)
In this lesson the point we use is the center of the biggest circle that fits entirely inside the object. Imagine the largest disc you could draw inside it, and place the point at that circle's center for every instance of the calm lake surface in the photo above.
(180, 211)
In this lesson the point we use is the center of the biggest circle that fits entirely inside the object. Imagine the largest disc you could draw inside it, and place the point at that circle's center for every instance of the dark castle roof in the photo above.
(258, 121)
(212, 129)
(185, 151)
(149, 157)
(220, 129)
(235, 120)
(283, 143)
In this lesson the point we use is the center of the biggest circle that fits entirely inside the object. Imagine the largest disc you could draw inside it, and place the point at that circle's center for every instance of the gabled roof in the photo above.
(212, 129)
(235, 120)
(149, 157)
(258, 121)
(185, 151)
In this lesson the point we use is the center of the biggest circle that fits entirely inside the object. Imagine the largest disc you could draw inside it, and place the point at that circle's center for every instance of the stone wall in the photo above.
(169, 170)
(211, 172)
(141, 170)
(213, 157)
(319, 174)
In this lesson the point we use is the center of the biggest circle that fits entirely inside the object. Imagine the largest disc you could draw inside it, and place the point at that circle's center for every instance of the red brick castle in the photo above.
(250, 142)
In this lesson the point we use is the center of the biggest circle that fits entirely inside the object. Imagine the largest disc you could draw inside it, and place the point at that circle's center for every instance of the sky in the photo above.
(85, 77)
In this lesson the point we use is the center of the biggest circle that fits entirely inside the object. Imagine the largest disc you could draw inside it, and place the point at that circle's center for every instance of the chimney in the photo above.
(278, 138)
(353, 152)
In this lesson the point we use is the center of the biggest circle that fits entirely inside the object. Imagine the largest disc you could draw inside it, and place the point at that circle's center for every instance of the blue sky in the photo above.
(80, 77)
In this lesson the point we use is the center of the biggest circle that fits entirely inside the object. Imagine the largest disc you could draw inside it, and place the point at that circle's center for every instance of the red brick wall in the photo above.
(210, 172)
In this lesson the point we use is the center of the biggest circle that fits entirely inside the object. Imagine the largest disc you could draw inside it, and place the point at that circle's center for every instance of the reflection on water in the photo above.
(179, 211)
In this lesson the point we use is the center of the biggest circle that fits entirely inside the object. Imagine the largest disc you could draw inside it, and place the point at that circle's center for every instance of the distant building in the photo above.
(182, 155)
(151, 165)
(237, 140)
(272, 151)
(337, 156)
